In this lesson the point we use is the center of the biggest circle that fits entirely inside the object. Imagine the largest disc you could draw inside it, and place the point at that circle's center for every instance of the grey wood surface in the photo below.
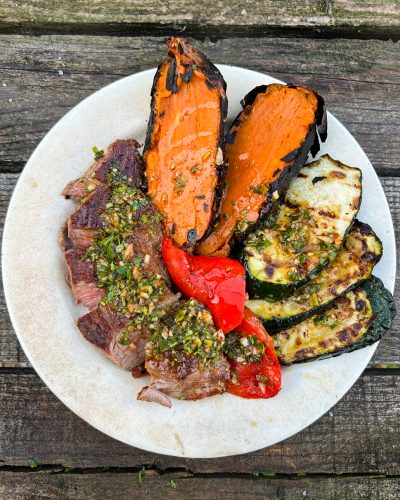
(348, 51)
(54, 484)
(46, 76)
(354, 18)
(358, 436)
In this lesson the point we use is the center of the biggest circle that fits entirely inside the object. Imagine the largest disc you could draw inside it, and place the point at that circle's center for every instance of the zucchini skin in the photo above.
(274, 290)
(384, 311)
(274, 324)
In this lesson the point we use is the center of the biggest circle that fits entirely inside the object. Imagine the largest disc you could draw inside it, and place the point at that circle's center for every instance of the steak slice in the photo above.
(85, 222)
(81, 276)
(184, 358)
(104, 328)
(189, 380)
(122, 155)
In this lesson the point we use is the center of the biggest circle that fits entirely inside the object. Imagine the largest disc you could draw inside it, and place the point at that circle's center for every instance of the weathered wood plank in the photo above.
(43, 77)
(11, 355)
(36, 425)
(362, 17)
(54, 485)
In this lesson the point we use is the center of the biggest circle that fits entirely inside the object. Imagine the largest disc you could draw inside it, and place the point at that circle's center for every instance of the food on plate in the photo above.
(198, 324)
(217, 282)
(121, 154)
(81, 276)
(358, 319)
(183, 145)
(265, 146)
(255, 369)
(185, 356)
(354, 263)
(307, 231)
(108, 331)
(85, 222)
(115, 265)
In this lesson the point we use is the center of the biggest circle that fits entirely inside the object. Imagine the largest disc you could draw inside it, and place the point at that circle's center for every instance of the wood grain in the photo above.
(11, 355)
(43, 77)
(36, 425)
(106, 485)
(222, 18)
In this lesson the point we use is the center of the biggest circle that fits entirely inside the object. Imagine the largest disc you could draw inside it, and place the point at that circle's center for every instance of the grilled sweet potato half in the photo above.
(266, 145)
(184, 139)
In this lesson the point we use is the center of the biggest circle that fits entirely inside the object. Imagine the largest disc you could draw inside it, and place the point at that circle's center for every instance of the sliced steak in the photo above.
(105, 329)
(82, 278)
(85, 222)
(188, 380)
(184, 358)
(65, 242)
(145, 243)
(122, 155)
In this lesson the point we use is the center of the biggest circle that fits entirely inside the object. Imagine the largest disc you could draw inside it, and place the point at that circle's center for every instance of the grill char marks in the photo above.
(122, 155)
(104, 328)
(86, 221)
(81, 277)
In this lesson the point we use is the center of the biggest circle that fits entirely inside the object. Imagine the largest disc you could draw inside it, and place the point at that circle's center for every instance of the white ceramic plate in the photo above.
(43, 311)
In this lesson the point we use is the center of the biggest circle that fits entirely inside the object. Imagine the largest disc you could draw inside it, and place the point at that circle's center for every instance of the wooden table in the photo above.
(53, 54)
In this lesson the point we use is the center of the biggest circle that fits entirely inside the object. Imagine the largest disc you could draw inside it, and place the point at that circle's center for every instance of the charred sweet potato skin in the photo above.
(184, 142)
(248, 194)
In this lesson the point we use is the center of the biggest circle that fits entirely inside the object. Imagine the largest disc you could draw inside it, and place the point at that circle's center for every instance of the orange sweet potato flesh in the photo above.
(183, 142)
(270, 137)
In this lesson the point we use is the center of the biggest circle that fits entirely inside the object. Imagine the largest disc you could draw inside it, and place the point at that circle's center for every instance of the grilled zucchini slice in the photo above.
(358, 319)
(361, 251)
(319, 208)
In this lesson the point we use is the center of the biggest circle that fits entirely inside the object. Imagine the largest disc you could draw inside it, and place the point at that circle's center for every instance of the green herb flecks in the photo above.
(243, 349)
(141, 475)
(196, 168)
(180, 183)
(130, 290)
(188, 332)
(241, 226)
(98, 153)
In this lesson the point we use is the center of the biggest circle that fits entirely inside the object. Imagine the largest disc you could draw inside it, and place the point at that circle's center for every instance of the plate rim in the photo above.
(64, 397)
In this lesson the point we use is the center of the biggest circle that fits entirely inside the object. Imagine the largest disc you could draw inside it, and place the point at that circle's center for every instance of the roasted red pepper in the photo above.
(217, 282)
(256, 379)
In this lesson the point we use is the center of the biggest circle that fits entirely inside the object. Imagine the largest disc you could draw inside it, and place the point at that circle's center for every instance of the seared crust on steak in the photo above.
(185, 357)
(104, 328)
(85, 222)
(122, 155)
(81, 276)
(189, 380)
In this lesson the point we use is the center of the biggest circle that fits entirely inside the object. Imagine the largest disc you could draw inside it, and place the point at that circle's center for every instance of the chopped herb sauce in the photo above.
(188, 331)
(98, 153)
(243, 349)
(131, 291)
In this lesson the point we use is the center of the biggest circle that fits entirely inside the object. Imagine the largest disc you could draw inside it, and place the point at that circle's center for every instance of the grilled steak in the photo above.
(185, 357)
(108, 330)
(86, 221)
(188, 380)
(104, 328)
(82, 278)
(122, 155)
